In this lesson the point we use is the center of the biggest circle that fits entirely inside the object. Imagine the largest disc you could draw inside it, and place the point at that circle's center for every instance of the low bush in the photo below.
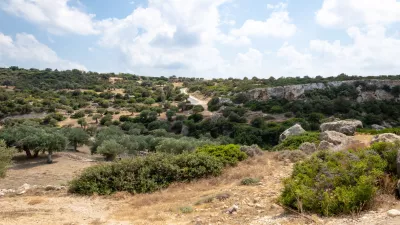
(388, 151)
(294, 142)
(227, 154)
(77, 115)
(145, 174)
(395, 130)
(250, 181)
(332, 183)
(5, 157)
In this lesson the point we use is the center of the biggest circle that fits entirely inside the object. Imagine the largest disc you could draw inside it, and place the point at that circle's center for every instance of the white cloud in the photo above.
(371, 52)
(295, 62)
(56, 16)
(346, 13)
(248, 64)
(26, 50)
(278, 25)
(171, 34)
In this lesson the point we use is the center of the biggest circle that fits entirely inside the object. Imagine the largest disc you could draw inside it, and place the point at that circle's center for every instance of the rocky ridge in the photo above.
(294, 92)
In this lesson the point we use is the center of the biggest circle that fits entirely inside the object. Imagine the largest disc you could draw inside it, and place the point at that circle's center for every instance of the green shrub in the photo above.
(186, 209)
(227, 154)
(77, 115)
(395, 130)
(110, 149)
(250, 181)
(388, 151)
(5, 157)
(294, 142)
(145, 174)
(332, 183)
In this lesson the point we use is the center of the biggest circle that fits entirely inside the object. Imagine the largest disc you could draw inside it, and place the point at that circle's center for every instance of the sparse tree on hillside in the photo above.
(198, 109)
(97, 117)
(76, 136)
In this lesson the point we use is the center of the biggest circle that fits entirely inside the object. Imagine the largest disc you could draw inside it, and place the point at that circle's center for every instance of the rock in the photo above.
(386, 124)
(308, 147)
(233, 209)
(393, 213)
(387, 137)
(185, 130)
(21, 190)
(324, 145)
(377, 127)
(334, 137)
(347, 127)
(251, 151)
(347, 130)
(292, 131)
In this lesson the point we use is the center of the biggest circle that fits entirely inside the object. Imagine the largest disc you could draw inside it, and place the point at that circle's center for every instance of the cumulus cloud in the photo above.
(295, 62)
(372, 52)
(347, 13)
(171, 34)
(26, 50)
(56, 16)
(278, 25)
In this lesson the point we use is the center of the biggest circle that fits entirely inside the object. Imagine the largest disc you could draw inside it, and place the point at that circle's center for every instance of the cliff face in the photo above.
(294, 92)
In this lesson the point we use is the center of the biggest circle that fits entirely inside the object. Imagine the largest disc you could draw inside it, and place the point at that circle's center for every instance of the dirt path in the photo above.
(197, 100)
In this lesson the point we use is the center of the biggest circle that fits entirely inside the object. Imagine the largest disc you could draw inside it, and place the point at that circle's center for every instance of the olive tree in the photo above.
(110, 149)
(76, 136)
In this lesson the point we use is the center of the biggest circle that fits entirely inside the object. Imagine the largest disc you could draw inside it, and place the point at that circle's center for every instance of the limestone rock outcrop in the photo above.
(292, 131)
(347, 127)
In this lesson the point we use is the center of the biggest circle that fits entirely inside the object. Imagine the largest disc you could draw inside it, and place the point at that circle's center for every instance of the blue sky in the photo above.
(203, 38)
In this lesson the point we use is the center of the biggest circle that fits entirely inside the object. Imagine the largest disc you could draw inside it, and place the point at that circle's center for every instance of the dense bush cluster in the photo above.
(331, 183)
(145, 174)
(294, 142)
(227, 154)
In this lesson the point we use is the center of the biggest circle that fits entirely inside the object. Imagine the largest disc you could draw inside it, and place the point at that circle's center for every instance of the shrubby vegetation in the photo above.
(5, 157)
(145, 174)
(227, 154)
(331, 183)
(294, 142)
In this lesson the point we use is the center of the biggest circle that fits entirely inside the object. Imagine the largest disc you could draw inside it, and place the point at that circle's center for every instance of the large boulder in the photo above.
(377, 127)
(347, 127)
(324, 145)
(334, 137)
(308, 147)
(292, 131)
(388, 137)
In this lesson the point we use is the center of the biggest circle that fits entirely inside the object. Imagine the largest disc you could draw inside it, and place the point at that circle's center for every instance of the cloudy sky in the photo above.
(203, 38)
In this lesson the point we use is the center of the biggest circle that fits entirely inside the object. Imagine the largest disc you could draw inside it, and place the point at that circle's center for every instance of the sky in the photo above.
(203, 38)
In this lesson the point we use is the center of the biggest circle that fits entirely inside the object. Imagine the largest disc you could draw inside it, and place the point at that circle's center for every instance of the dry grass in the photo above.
(209, 197)
(36, 201)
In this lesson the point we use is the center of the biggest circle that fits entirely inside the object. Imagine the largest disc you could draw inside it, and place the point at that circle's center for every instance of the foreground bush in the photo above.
(5, 157)
(227, 154)
(388, 151)
(145, 174)
(294, 142)
(332, 183)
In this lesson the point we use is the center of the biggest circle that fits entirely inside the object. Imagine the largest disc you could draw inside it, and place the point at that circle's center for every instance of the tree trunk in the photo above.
(36, 154)
(76, 147)
(97, 121)
(28, 153)
(49, 159)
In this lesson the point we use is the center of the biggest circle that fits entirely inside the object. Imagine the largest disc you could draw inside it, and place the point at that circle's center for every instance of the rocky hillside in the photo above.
(368, 90)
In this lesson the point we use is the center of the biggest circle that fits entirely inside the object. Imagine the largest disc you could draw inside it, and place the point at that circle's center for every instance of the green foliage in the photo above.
(177, 146)
(227, 154)
(186, 209)
(294, 142)
(395, 130)
(110, 149)
(388, 151)
(77, 115)
(76, 136)
(250, 181)
(5, 157)
(145, 174)
(331, 183)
